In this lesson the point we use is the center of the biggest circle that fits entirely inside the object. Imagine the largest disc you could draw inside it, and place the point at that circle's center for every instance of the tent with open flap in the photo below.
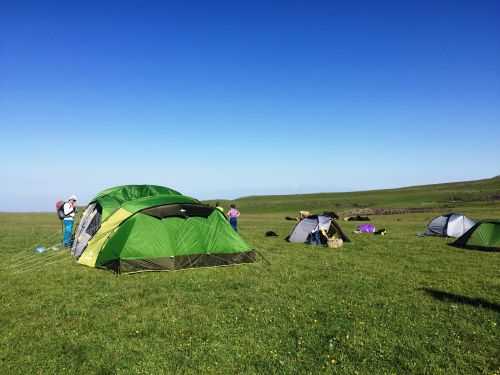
(146, 227)
(306, 226)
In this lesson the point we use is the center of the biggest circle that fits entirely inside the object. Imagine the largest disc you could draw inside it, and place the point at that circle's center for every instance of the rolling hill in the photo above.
(424, 196)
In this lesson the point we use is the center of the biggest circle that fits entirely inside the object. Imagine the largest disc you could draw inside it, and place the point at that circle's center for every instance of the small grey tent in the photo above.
(302, 231)
(449, 225)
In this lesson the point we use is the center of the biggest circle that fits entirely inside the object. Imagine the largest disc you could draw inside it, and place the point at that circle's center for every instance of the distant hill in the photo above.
(424, 196)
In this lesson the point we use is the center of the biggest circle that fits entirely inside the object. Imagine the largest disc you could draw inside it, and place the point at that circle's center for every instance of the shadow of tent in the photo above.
(478, 248)
(456, 298)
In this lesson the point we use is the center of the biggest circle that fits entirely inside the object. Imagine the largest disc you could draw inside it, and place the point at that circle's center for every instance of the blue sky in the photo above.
(224, 99)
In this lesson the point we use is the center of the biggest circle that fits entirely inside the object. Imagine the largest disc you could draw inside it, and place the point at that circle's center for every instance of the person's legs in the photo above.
(234, 223)
(313, 238)
(68, 232)
(316, 238)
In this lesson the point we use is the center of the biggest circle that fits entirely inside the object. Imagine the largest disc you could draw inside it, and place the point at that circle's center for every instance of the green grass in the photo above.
(397, 304)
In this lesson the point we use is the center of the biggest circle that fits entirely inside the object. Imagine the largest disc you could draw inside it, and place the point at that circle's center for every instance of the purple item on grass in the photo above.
(366, 228)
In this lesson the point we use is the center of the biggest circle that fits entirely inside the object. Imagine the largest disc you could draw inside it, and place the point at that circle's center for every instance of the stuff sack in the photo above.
(60, 209)
(366, 228)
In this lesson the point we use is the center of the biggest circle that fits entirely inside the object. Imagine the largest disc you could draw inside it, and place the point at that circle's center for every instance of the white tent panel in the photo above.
(302, 230)
(458, 225)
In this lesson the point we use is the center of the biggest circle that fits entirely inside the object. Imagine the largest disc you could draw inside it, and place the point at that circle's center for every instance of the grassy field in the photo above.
(397, 304)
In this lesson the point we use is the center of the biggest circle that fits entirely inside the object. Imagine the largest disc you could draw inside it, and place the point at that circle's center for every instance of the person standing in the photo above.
(69, 210)
(233, 214)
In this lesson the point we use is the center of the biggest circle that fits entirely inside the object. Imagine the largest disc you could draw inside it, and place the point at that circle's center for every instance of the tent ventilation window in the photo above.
(179, 210)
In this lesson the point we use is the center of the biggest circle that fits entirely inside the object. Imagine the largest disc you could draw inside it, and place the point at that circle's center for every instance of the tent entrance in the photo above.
(89, 225)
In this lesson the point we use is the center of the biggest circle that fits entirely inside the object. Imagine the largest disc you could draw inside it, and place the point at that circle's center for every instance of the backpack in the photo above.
(60, 209)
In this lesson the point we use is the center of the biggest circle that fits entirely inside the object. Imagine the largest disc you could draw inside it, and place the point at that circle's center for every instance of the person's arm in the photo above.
(68, 208)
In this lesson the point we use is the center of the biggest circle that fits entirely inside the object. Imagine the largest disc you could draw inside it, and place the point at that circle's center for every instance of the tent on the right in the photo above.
(484, 235)
(449, 225)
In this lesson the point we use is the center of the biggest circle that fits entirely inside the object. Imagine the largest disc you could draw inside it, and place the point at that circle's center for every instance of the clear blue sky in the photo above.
(224, 99)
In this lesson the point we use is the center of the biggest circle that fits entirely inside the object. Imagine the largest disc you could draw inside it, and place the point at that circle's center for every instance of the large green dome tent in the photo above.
(146, 227)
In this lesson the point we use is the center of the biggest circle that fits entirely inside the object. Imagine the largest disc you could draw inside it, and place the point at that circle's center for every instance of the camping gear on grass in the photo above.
(334, 242)
(365, 228)
(370, 229)
(306, 230)
(331, 214)
(146, 227)
(484, 235)
(304, 214)
(40, 249)
(356, 218)
(449, 225)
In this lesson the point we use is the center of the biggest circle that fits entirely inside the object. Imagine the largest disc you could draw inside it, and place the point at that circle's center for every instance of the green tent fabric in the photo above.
(484, 235)
(146, 227)
(137, 197)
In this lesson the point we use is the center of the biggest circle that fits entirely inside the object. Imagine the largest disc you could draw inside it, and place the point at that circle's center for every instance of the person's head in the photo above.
(233, 205)
(72, 199)
(217, 204)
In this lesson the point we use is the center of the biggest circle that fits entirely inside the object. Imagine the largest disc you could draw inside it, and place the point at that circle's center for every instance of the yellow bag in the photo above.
(335, 242)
